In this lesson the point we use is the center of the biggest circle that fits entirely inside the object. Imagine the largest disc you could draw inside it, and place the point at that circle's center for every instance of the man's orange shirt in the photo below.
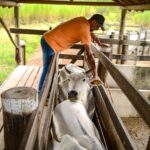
(66, 34)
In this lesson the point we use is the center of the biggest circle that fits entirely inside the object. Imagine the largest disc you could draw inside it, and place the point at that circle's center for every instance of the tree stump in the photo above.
(18, 104)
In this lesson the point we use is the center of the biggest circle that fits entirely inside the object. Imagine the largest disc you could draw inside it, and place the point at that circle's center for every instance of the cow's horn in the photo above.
(88, 71)
(68, 71)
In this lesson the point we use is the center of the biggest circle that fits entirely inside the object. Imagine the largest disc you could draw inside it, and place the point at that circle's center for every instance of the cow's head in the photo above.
(78, 87)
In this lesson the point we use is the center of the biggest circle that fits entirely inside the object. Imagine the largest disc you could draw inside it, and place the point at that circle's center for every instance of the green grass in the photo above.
(7, 52)
(7, 63)
(34, 13)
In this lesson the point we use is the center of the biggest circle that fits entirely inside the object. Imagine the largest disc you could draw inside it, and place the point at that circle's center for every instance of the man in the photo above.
(68, 33)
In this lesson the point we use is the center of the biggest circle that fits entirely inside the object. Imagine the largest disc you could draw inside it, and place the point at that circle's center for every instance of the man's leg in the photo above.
(48, 53)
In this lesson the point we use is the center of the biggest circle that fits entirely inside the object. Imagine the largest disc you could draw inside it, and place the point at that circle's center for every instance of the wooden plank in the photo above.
(43, 142)
(119, 126)
(1, 120)
(37, 79)
(68, 56)
(14, 79)
(137, 7)
(26, 76)
(125, 42)
(8, 3)
(79, 53)
(141, 104)
(121, 31)
(34, 129)
(7, 78)
(32, 77)
(108, 124)
(42, 122)
(130, 57)
(43, 139)
(27, 31)
(62, 65)
(148, 144)
(58, 2)
(2, 144)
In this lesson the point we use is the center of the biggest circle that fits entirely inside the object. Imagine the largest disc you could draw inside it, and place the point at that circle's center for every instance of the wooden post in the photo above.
(148, 51)
(136, 49)
(109, 127)
(23, 50)
(16, 18)
(148, 144)
(143, 50)
(112, 37)
(124, 49)
(18, 104)
(102, 72)
(121, 32)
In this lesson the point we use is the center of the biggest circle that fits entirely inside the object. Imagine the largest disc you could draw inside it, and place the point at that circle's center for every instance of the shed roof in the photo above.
(126, 4)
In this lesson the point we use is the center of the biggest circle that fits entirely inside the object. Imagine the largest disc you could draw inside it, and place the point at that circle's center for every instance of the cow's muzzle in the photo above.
(72, 95)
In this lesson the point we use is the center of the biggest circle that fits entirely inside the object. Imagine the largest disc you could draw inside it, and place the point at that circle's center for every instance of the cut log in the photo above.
(18, 104)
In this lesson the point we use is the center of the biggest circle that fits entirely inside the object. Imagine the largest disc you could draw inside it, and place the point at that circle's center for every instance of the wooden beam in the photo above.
(70, 3)
(121, 31)
(125, 42)
(137, 7)
(30, 141)
(141, 104)
(78, 46)
(103, 114)
(68, 56)
(8, 3)
(119, 126)
(6, 29)
(62, 65)
(27, 31)
(130, 57)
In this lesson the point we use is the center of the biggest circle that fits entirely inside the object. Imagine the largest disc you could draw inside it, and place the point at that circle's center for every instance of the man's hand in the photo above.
(96, 81)
(17, 57)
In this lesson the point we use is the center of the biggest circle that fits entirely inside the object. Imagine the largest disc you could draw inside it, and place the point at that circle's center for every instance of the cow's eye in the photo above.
(84, 79)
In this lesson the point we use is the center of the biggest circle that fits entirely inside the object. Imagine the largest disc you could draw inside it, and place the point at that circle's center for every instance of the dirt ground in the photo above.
(136, 127)
(36, 58)
(138, 130)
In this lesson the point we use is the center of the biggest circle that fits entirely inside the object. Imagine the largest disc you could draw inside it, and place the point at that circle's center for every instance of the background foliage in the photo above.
(43, 16)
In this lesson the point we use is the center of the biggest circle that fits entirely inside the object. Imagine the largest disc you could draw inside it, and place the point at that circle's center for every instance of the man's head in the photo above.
(97, 21)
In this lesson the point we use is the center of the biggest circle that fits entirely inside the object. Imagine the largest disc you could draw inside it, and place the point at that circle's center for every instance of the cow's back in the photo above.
(71, 118)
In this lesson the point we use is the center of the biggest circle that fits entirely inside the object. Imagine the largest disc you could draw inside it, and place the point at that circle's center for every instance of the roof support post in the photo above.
(16, 18)
(121, 31)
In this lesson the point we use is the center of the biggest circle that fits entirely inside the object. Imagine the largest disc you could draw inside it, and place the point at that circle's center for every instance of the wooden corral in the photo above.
(107, 121)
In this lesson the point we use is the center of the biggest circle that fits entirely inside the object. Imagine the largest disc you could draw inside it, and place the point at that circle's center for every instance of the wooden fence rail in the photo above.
(141, 104)
(112, 122)
(29, 141)
(108, 41)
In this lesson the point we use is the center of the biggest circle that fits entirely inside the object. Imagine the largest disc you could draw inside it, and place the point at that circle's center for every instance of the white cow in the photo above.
(64, 86)
(72, 126)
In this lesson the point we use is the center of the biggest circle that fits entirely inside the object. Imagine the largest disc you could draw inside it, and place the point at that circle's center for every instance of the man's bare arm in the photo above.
(90, 59)
(94, 38)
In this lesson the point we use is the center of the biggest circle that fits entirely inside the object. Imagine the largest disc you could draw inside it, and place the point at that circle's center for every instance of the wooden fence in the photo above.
(111, 41)
(107, 119)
